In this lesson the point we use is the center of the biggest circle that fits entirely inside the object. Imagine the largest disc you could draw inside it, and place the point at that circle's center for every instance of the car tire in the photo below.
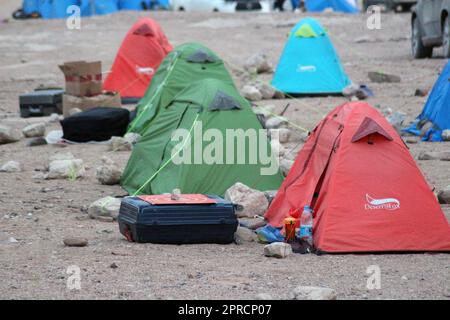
(419, 51)
(446, 37)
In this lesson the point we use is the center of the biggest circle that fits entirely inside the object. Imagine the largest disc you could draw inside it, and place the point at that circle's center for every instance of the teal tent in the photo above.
(309, 64)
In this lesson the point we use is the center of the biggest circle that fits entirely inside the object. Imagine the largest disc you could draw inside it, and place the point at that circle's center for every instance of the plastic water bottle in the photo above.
(306, 225)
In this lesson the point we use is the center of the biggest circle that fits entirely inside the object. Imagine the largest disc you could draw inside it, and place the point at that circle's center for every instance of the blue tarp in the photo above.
(436, 109)
(54, 9)
(309, 64)
(348, 6)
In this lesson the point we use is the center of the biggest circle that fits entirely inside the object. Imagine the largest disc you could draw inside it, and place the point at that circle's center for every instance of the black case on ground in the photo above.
(41, 103)
(140, 221)
(97, 124)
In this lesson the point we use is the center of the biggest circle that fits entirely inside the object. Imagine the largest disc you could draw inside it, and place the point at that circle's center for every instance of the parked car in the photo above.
(221, 5)
(430, 24)
(396, 5)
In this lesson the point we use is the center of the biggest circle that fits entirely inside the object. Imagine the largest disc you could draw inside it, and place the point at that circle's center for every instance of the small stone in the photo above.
(108, 173)
(254, 202)
(279, 95)
(444, 195)
(411, 141)
(74, 111)
(12, 240)
(113, 265)
(132, 137)
(266, 90)
(282, 134)
(62, 169)
(275, 122)
(11, 166)
(54, 117)
(421, 92)
(34, 130)
(404, 278)
(105, 219)
(380, 77)
(263, 296)
(258, 63)
(106, 207)
(119, 144)
(9, 135)
(38, 141)
(444, 155)
(75, 242)
(251, 93)
(245, 235)
(446, 135)
(425, 127)
(278, 250)
(312, 293)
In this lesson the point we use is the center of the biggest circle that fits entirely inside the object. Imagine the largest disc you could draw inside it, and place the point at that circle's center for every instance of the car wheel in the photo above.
(446, 37)
(419, 51)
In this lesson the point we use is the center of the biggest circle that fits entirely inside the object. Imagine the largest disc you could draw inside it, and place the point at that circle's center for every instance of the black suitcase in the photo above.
(141, 221)
(96, 124)
(40, 103)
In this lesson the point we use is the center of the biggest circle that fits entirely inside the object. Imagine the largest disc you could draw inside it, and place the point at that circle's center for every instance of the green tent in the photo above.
(185, 64)
(219, 141)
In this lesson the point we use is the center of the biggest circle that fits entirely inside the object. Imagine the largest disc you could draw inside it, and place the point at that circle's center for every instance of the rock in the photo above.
(277, 250)
(254, 202)
(11, 166)
(8, 134)
(113, 265)
(119, 144)
(54, 117)
(34, 130)
(444, 155)
(444, 195)
(411, 140)
(281, 134)
(270, 195)
(12, 240)
(425, 127)
(251, 93)
(380, 77)
(421, 92)
(108, 172)
(258, 63)
(105, 219)
(62, 169)
(446, 135)
(244, 235)
(75, 242)
(263, 296)
(266, 90)
(34, 142)
(312, 293)
(286, 165)
(105, 207)
(132, 137)
(74, 111)
(396, 120)
(363, 39)
(277, 149)
(350, 90)
(275, 122)
(279, 95)
(61, 156)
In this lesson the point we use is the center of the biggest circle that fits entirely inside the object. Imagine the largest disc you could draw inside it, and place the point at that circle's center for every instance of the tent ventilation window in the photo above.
(201, 56)
(222, 101)
(367, 128)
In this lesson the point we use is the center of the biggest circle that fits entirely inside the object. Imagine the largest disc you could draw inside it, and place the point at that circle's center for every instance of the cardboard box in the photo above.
(107, 99)
(83, 78)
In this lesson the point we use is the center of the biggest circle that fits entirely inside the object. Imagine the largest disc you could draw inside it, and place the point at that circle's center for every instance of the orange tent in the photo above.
(141, 52)
(365, 188)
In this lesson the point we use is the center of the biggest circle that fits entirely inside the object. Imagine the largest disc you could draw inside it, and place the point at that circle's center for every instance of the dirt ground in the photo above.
(39, 214)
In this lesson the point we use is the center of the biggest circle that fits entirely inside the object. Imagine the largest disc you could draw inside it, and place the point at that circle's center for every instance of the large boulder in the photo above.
(258, 63)
(312, 293)
(34, 130)
(108, 172)
(444, 195)
(253, 202)
(278, 250)
(8, 134)
(105, 207)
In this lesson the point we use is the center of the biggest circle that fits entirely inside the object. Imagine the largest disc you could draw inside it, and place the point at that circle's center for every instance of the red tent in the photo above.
(141, 52)
(366, 190)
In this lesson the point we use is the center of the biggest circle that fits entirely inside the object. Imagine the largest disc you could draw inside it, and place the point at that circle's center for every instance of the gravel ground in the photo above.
(35, 267)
